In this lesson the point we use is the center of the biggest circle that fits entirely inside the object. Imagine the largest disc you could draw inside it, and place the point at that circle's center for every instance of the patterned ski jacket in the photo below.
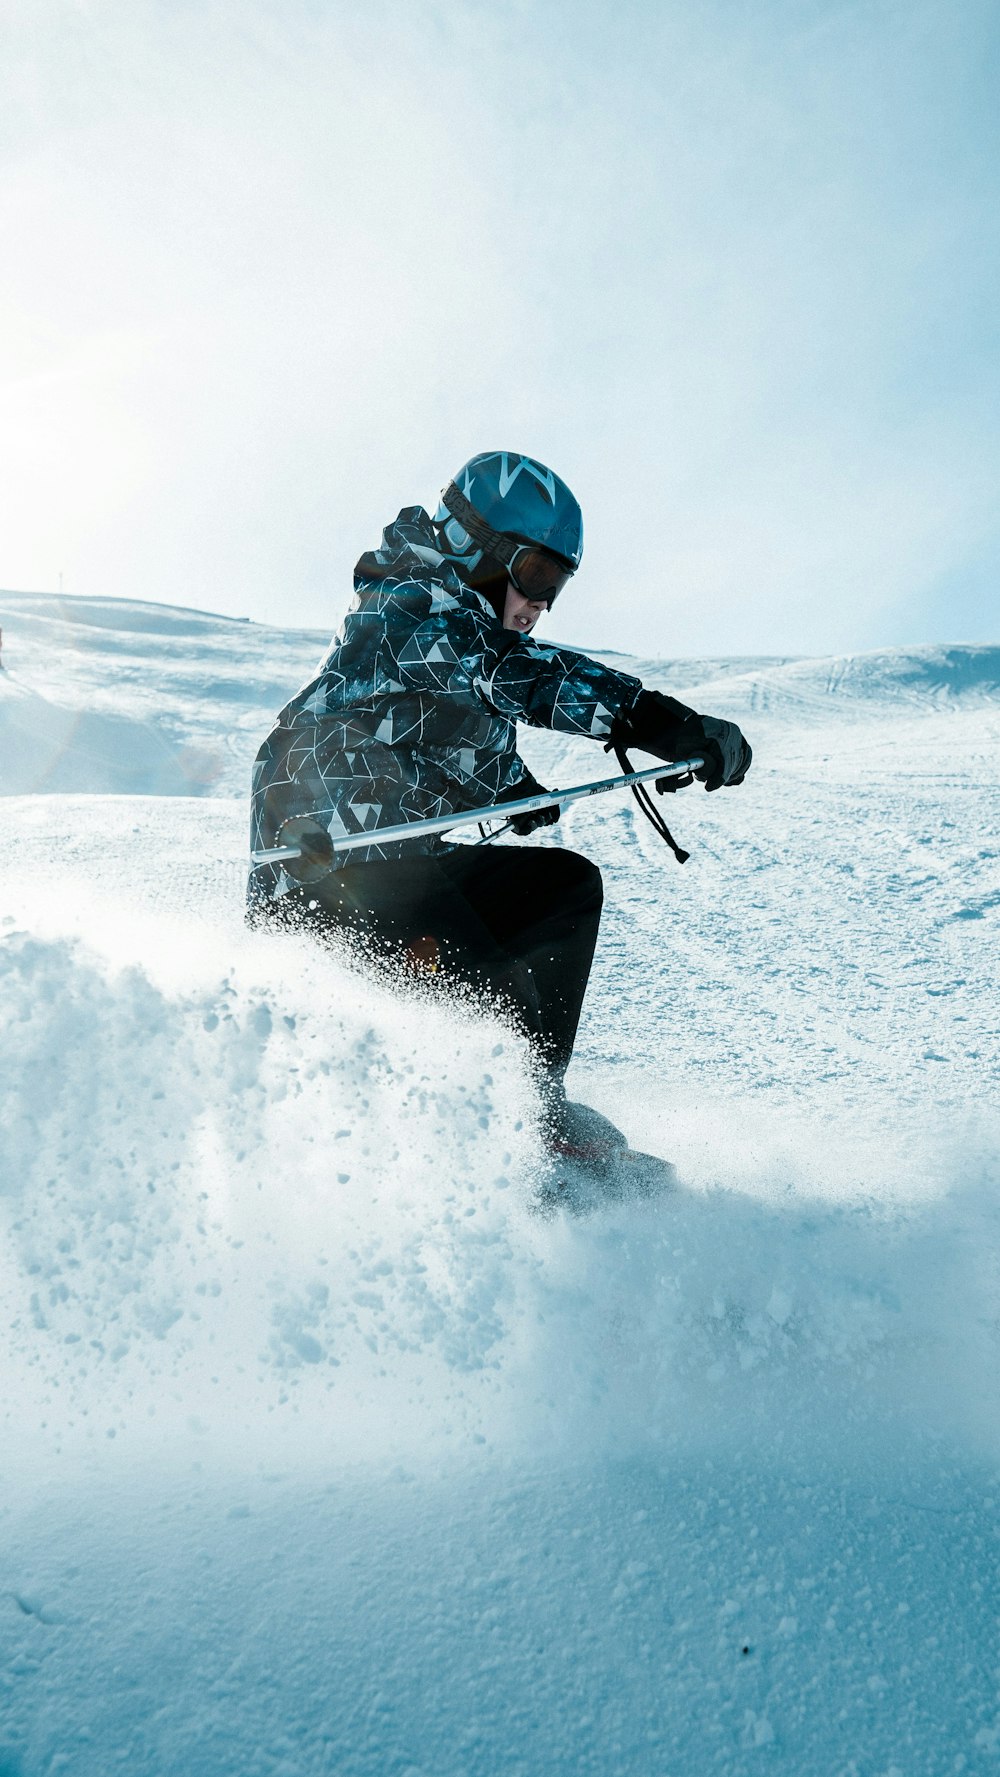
(413, 711)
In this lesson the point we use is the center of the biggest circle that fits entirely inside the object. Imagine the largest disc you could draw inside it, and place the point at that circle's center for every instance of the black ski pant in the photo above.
(515, 924)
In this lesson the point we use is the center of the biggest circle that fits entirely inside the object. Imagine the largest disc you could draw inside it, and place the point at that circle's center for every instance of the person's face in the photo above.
(520, 613)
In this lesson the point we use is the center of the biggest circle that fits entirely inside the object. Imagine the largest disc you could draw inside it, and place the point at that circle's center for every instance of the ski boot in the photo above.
(590, 1164)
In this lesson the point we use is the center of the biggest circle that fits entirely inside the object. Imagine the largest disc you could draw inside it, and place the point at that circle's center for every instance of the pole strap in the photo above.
(646, 803)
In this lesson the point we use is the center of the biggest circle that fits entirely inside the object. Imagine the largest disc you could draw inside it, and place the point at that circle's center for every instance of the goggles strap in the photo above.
(502, 549)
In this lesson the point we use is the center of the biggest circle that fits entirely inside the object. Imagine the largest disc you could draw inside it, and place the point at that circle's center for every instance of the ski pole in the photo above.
(308, 839)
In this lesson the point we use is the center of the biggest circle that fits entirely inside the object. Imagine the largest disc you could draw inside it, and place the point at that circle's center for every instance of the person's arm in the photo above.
(454, 653)
(560, 689)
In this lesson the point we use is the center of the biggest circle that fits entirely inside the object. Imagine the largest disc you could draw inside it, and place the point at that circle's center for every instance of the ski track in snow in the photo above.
(322, 1452)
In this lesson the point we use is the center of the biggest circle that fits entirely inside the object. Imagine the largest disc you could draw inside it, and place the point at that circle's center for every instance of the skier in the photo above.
(412, 714)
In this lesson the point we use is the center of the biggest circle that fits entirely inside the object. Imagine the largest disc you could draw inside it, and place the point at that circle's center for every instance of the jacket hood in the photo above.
(410, 551)
(409, 548)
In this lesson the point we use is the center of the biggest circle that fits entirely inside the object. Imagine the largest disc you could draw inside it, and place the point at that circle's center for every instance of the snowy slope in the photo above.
(321, 1451)
(114, 694)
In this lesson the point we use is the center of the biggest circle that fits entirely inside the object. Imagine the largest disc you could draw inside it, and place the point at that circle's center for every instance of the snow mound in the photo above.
(114, 695)
(47, 747)
(33, 611)
(907, 680)
(217, 1181)
(85, 637)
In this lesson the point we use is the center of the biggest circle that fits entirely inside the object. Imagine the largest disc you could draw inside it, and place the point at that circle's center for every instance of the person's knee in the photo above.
(583, 883)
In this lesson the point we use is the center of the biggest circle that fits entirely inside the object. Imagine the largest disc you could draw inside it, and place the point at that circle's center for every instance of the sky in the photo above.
(272, 271)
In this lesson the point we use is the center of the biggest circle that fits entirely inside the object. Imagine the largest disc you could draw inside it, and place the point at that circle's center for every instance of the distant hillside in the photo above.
(120, 695)
(922, 678)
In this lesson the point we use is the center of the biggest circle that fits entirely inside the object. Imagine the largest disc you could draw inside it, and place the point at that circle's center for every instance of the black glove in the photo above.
(521, 824)
(670, 730)
(726, 751)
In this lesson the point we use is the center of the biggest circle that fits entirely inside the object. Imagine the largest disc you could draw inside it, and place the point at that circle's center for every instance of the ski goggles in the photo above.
(538, 576)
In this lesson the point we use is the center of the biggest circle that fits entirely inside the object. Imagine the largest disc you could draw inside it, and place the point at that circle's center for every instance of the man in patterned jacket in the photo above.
(412, 714)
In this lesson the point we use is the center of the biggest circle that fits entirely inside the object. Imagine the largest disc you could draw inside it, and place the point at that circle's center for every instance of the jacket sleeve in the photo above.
(521, 679)
(558, 688)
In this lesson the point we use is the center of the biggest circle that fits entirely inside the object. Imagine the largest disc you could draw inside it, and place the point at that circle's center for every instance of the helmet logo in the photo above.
(508, 476)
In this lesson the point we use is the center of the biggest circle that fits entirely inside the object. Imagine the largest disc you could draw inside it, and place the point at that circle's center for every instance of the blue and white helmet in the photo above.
(502, 504)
